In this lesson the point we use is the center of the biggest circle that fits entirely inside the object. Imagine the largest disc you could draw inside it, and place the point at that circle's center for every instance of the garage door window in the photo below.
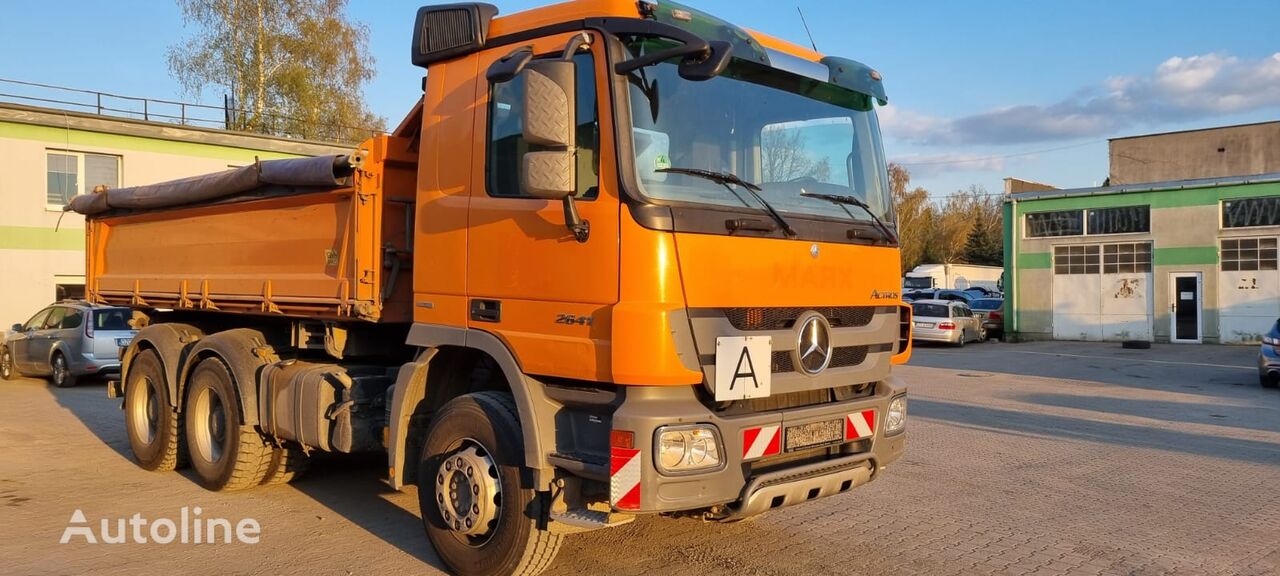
(1076, 259)
(1126, 258)
(1248, 254)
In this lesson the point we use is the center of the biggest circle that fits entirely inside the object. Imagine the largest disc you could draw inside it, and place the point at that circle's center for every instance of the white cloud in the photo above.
(1179, 89)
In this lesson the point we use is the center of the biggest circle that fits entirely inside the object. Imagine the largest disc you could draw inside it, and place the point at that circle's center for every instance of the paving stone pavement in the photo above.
(1046, 458)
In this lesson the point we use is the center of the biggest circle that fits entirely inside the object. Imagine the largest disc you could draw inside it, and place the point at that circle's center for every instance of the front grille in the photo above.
(749, 319)
(841, 357)
(793, 400)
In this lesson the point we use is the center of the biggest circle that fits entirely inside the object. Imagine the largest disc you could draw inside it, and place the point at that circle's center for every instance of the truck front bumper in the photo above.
(743, 486)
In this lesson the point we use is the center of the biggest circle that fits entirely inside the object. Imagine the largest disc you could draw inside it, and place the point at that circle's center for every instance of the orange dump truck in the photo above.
(621, 259)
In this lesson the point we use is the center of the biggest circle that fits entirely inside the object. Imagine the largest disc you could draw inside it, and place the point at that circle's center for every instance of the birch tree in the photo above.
(291, 67)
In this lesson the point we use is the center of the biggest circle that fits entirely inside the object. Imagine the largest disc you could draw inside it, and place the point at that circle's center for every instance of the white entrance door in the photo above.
(1187, 290)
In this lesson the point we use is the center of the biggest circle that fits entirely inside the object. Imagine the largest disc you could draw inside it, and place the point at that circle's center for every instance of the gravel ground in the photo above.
(1046, 458)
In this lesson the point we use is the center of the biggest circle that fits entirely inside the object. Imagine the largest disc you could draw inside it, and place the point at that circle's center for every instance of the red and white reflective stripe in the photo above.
(860, 425)
(761, 441)
(624, 478)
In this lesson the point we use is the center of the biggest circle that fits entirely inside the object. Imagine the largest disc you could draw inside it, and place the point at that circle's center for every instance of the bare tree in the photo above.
(294, 67)
(783, 158)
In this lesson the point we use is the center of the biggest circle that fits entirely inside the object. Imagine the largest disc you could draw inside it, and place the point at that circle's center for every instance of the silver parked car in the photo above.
(947, 321)
(65, 341)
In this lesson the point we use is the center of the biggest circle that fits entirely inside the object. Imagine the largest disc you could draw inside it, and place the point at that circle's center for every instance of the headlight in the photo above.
(687, 448)
(896, 420)
(1270, 340)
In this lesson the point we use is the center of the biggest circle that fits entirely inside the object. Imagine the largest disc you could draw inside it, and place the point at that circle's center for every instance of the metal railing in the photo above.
(223, 117)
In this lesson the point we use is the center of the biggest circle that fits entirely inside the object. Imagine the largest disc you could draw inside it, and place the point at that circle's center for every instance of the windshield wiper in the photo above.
(855, 201)
(729, 180)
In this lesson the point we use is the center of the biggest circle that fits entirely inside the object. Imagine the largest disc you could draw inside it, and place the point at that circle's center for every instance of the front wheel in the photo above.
(7, 370)
(61, 376)
(477, 516)
(982, 334)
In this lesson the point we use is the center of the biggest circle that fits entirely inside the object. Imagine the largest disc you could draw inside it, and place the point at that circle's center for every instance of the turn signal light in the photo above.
(622, 439)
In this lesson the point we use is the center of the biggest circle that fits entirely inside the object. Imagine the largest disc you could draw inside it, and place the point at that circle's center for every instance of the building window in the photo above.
(1126, 258)
(71, 173)
(506, 134)
(1123, 220)
(1248, 212)
(1075, 259)
(1060, 223)
(1248, 254)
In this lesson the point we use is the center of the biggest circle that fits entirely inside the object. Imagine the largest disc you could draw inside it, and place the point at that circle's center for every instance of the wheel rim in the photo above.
(469, 493)
(144, 411)
(59, 369)
(6, 363)
(208, 416)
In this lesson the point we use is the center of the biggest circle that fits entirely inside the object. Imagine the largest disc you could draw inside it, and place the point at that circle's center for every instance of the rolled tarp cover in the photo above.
(317, 171)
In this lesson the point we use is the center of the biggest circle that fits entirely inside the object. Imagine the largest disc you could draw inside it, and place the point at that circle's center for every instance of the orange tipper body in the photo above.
(661, 244)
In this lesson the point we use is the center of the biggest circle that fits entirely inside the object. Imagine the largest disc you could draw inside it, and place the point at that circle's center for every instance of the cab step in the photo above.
(583, 520)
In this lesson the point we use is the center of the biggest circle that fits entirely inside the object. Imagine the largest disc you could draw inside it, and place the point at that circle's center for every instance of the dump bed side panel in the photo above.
(335, 253)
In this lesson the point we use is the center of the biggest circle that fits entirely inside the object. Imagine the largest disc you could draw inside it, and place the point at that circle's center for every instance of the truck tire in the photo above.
(287, 464)
(225, 455)
(153, 424)
(60, 372)
(477, 516)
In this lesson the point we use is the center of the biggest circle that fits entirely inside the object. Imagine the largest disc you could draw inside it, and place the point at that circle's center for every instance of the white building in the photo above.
(51, 155)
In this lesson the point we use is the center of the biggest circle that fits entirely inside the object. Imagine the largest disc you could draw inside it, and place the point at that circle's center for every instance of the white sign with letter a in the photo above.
(744, 365)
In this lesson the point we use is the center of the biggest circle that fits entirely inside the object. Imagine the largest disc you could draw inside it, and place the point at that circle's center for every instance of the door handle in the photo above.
(486, 310)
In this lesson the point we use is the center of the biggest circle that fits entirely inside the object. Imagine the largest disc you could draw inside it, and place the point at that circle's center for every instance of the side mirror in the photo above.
(17, 328)
(549, 106)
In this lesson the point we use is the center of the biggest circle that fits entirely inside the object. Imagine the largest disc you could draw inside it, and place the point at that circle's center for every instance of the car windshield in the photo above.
(929, 311)
(783, 132)
(986, 304)
(112, 319)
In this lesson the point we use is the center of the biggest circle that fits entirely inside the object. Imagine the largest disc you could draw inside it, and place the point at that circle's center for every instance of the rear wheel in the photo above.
(153, 424)
(1268, 381)
(225, 454)
(964, 337)
(61, 371)
(477, 516)
(287, 464)
(982, 334)
(7, 371)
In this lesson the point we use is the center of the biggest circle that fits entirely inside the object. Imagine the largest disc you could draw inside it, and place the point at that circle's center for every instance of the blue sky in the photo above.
(978, 91)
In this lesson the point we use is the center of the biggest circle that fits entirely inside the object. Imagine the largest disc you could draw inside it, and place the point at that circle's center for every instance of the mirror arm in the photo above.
(580, 228)
(576, 43)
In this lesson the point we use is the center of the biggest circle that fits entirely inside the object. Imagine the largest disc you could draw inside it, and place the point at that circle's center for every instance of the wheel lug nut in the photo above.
(475, 489)
(448, 465)
(475, 508)
(470, 471)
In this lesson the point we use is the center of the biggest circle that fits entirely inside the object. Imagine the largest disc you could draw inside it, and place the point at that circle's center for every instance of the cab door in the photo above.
(529, 281)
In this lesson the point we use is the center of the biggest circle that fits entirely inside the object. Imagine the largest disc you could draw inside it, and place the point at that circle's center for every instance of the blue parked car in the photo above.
(1269, 358)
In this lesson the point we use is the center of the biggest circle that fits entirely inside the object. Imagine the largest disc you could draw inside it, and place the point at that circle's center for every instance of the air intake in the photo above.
(450, 30)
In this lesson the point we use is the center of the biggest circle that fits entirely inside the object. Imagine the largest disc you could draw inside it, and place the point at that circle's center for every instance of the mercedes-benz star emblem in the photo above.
(813, 349)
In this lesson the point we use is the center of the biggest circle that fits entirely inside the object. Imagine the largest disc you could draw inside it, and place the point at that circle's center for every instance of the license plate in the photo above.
(122, 342)
(813, 434)
(923, 325)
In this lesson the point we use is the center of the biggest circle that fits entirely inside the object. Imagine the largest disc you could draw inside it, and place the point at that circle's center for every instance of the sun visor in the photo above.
(856, 76)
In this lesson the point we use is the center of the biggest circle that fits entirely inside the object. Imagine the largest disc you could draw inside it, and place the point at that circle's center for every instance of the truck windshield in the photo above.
(783, 132)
